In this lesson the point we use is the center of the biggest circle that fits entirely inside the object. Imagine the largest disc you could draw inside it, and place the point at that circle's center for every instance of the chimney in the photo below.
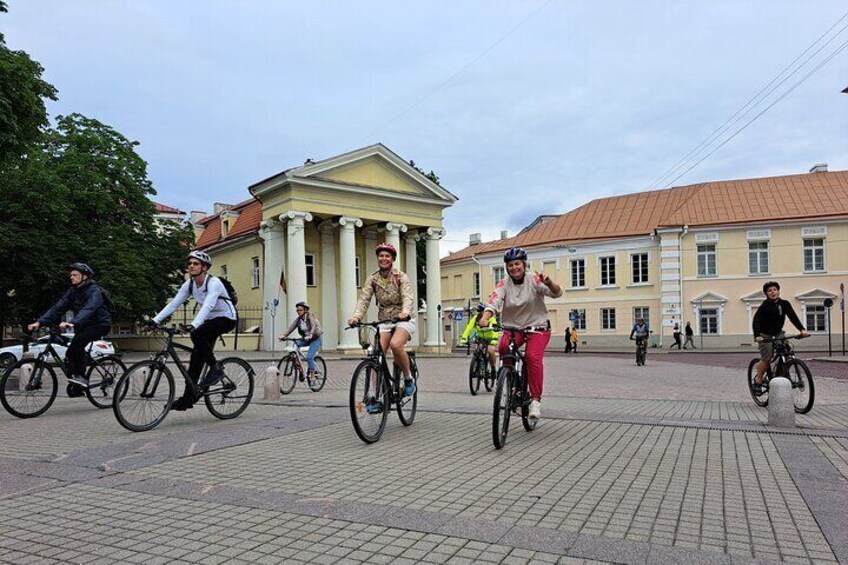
(819, 168)
(504, 234)
(220, 207)
(474, 239)
(196, 216)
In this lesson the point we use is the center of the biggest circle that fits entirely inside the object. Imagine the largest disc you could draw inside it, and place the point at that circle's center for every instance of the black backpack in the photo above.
(107, 301)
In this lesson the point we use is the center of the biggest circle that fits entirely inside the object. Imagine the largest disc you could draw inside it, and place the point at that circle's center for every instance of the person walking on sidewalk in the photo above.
(689, 336)
(567, 339)
(677, 340)
(574, 339)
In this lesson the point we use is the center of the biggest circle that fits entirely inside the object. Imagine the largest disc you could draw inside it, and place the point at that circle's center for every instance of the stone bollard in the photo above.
(781, 408)
(24, 375)
(272, 383)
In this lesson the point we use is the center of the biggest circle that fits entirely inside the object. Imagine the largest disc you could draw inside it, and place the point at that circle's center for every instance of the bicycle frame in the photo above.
(169, 351)
(54, 356)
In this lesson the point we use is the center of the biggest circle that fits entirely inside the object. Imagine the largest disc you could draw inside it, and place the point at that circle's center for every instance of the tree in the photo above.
(83, 195)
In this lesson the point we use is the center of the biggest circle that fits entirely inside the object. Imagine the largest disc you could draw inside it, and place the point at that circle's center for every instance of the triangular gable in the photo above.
(755, 297)
(709, 298)
(815, 294)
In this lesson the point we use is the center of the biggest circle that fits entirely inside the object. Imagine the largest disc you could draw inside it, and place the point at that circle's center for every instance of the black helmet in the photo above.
(82, 268)
(515, 253)
(770, 284)
(302, 304)
(481, 307)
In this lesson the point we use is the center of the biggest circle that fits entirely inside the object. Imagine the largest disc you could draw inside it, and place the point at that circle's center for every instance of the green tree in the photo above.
(83, 195)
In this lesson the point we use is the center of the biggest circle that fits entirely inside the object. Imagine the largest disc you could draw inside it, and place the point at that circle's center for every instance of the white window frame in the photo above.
(610, 261)
(580, 322)
(644, 312)
(819, 313)
(580, 272)
(707, 254)
(608, 319)
(708, 313)
(475, 283)
(311, 269)
(813, 251)
(761, 256)
(254, 271)
(498, 274)
(642, 262)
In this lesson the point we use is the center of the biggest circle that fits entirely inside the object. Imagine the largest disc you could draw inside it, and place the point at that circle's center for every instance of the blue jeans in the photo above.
(313, 349)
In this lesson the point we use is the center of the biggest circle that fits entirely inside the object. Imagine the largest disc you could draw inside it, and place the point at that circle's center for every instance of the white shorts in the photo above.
(408, 325)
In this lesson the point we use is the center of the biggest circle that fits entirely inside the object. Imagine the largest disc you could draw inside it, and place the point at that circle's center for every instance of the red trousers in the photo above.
(534, 356)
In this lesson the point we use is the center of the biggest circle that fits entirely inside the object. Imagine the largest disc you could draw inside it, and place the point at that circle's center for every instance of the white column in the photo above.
(296, 264)
(393, 232)
(370, 235)
(434, 287)
(329, 314)
(748, 307)
(411, 269)
(271, 231)
(347, 280)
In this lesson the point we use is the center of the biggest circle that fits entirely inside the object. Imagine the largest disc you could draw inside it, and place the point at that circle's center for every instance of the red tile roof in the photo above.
(163, 209)
(250, 215)
(813, 195)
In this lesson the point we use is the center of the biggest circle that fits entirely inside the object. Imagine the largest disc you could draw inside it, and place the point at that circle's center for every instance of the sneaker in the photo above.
(535, 410)
(182, 404)
(409, 387)
(79, 380)
(373, 406)
(212, 376)
(760, 389)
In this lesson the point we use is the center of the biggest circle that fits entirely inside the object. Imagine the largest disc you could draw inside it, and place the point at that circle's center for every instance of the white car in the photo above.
(12, 354)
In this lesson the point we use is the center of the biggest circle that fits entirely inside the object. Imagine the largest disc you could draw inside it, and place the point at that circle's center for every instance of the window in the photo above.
(607, 318)
(607, 271)
(498, 274)
(709, 321)
(813, 255)
(254, 271)
(358, 273)
(475, 282)
(458, 291)
(310, 270)
(639, 261)
(580, 322)
(758, 257)
(642, 312)
(707, 260)
(224, 271)
(578, 273)
(816, 319)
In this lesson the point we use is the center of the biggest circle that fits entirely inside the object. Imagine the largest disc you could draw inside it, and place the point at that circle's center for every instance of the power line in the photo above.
(759, 95)
(457, 73)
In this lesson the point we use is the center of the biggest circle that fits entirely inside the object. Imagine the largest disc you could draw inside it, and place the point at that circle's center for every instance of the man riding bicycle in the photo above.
(216, 317)
(92, 318)
(640, 330)
(483, 335)
(768, 322)
(393, 292)
(520, 298)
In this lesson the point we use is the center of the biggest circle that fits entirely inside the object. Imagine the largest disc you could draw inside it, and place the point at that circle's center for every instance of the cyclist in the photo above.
(640, 330)
(216, 316)
(520, 298)
(484, 335)
(92, 318)
(307, 325)
(768, 322)
(393, 292)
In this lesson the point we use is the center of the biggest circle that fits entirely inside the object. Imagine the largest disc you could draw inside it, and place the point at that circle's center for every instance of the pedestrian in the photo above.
(689, 336)
(567, 339)
(574, 339)
(677, 340)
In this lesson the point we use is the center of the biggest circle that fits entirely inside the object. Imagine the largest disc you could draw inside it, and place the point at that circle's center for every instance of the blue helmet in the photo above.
(515, 253)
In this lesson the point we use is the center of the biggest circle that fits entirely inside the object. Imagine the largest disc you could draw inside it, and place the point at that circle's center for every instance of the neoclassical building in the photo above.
(308, 233)
(697, 254)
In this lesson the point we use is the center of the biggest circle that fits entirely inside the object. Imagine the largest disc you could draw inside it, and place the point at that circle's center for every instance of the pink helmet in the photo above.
(386, 246)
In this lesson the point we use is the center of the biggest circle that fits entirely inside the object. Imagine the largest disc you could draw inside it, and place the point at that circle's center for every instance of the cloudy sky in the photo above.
(521, 107)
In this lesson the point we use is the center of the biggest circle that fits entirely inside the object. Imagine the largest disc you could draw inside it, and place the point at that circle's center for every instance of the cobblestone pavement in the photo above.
(668, 463)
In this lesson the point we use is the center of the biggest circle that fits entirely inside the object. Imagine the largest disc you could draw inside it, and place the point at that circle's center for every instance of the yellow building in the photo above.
(309, 233)
(698, 254)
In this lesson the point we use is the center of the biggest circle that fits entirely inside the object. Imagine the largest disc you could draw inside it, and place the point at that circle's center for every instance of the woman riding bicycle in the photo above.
(393, 292)
(309, 328)
(520, 298)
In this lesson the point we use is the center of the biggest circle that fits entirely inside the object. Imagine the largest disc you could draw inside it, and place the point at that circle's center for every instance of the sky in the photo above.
(522, 107)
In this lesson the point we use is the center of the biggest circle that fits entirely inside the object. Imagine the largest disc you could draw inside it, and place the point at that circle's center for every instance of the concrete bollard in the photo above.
(272, 383)
(781, 408)
(23, 376)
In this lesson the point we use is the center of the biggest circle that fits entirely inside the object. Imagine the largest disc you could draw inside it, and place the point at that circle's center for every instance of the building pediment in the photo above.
(754, 297)
(815, 294)
(709, 298)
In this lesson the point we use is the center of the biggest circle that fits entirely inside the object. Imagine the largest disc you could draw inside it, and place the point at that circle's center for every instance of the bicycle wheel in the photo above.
(28, 388)
(319, 377)
(143, 396)
(288, 376)
(474, 375)
(408, 405)
(752, 373)
(102, 376)
(501, 407)
(369, 401)
(232, 395)
(803, 390)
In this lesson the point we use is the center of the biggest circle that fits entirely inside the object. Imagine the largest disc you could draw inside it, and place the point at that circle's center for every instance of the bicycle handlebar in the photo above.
(784, 338)
(393, 320)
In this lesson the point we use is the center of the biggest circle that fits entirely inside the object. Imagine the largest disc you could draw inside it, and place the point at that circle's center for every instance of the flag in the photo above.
(283, 281)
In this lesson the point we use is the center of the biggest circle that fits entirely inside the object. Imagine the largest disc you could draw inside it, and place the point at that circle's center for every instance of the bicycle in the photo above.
(641, 350)
(143, 396)
(511, 391)
(784, 364)
(479, 369)
(29, 387)
(293, 370)
(374, 390)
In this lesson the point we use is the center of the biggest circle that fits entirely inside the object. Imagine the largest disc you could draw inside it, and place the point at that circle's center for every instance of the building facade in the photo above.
(697, 254)
(309, 233)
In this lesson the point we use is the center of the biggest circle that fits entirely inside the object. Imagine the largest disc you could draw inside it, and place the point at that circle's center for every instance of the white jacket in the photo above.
(211, 295)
